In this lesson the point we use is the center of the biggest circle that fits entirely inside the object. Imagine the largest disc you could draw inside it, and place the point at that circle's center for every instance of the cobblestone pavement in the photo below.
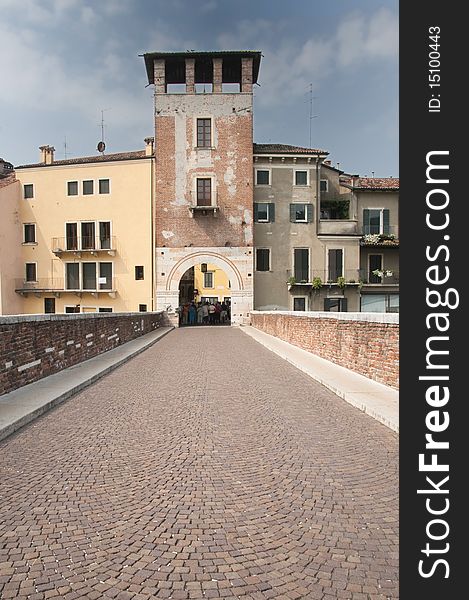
(206, 467)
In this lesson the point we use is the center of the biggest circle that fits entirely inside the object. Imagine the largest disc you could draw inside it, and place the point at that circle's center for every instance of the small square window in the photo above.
(323, 185)
(299, 213)
(142, 308)
(72, 188)
(29, 236)
(262, 177)
(301, 177)
(88, 187)
(31, 274)
(104, 186)
(139, 272)
(263, 213)
(28, 190)
(299, 303)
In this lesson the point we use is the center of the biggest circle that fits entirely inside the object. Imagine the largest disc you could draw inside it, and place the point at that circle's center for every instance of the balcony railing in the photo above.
(90, 244)
(320, 278)
(380, 277)
(59, 284)
(373, 237)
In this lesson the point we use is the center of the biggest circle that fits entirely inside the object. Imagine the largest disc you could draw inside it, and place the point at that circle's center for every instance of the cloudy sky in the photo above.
(64, 61)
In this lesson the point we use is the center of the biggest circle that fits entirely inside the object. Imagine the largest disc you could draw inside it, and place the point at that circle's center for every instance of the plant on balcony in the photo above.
(316, 283)
(341, 282)
(379, 239)
(382, 273)
(291, 281)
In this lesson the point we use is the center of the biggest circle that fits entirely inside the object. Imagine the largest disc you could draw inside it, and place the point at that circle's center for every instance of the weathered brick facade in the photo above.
(34, 346)
(363, 342)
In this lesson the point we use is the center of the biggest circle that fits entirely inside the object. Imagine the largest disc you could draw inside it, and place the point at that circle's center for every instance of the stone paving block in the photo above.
(205, 467)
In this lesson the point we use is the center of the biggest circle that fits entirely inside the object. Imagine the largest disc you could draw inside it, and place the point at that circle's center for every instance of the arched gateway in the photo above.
(236, 262)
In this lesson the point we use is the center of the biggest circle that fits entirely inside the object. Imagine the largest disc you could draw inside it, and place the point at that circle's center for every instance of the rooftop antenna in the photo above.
(101, 145)
(311, 116)
(65, 147)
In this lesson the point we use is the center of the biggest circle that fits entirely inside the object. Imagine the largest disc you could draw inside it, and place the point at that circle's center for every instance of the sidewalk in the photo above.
(377, 400)
(28, 402)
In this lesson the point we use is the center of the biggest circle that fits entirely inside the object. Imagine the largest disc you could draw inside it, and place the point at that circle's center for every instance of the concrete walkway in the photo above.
(28, 402)
(377, 400)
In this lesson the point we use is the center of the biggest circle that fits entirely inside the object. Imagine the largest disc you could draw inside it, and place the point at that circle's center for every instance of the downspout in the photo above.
(153, 241)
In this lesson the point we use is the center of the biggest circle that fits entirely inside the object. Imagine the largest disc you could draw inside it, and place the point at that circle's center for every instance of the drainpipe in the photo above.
(153, 241)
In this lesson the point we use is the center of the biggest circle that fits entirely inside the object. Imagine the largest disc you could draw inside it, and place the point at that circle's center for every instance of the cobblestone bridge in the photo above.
(205, 467)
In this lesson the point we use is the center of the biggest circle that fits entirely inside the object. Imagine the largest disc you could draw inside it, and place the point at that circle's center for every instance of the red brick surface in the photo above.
(26, 341)
(367, 347)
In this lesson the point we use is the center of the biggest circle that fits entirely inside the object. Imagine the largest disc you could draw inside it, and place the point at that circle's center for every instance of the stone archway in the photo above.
(237, 266)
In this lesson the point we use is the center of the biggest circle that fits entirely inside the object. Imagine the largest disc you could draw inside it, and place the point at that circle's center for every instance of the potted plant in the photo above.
(291, 281)
(317, 283)
(341, 282)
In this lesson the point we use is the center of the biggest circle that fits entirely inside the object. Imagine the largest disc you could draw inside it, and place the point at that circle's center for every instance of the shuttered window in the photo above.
(262, 259)
(301, 213)
(264, 212)
(376, 221)
(335, 264)
(301, 264)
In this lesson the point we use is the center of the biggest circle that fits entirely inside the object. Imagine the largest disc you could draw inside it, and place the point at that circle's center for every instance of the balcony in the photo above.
(390, 239)
(57, 286)
(211, 206)
(334, 216)
(319, 279)
(379, 277)
(337, 227)
(84, 245)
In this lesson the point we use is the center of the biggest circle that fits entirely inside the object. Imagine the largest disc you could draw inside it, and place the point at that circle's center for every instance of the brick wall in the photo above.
(34, 346)
(367, 343)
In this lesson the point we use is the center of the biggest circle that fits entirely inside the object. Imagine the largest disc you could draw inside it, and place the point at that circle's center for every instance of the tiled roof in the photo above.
(91, 159)
(7, 180)
(285, 149)
(376, 183)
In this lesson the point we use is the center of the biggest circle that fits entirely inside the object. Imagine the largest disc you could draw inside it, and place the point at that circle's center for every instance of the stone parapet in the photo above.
(367, 343)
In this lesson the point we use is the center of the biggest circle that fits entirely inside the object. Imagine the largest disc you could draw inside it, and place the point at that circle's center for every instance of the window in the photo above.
(139, 273)
(262, 177)
(299, 303)
(204, 133)
(103, 186)
(31, 272)
(301, 177)
(72, 276)
(204, 191)
(335, 209)
(375, 262)
(88, 187)
(29, 233)
(208, 279)
(376, 220)
(72, 188)
(380, 303)
(104, 309)
(72, 309)
(105, 235)
(105, 276)
(335, 304)
(301, 264)
(335, 259)
(71, 235)
(264, 212)
(89, 276)
(49, 306)
(142, 308)
(262, 259)
(87, 235)
(28, 190)
(301, 213)
(323, 185)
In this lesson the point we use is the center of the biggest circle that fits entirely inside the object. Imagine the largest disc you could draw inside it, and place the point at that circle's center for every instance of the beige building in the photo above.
(211, 283)
(86, 228)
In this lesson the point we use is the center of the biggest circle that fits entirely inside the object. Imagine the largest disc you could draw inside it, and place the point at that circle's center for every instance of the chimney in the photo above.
(149, 146)
(47, 154)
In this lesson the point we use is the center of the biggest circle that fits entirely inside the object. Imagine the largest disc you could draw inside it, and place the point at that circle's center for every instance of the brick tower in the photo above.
(204, 169)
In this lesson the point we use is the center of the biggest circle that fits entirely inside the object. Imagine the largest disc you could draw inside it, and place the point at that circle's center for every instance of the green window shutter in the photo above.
(309, 213)
(256, 212)
(271, 212)
(386, 221)
(366, 221)
(292, 213)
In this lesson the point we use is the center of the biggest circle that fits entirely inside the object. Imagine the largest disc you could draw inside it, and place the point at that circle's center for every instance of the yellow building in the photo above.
(87, 233)
(212, 283)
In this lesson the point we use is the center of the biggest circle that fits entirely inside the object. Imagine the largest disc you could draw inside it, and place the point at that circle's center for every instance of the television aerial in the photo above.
(102, 145)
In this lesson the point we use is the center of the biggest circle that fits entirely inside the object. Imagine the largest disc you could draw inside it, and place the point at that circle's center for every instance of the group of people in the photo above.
(204, 313)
